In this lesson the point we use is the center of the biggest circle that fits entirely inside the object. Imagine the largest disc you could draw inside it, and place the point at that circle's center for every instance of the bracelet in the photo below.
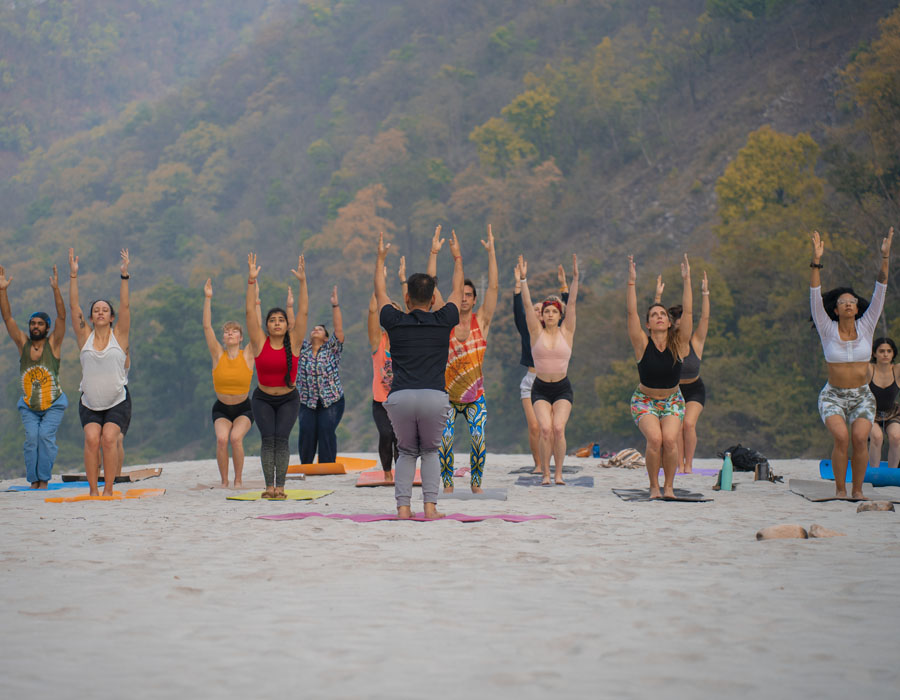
(818, 266)
(335, 306)
(251, 281)
(706, 294)
(457, 257)
(631, 284)
(523, 280)
(563, 290)
(74, 277)
(125, 277)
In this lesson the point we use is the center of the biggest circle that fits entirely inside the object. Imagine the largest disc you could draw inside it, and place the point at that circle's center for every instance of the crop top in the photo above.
(658, 370)
(553, 360)
(232, 377)
(837, 350)
(270, 366)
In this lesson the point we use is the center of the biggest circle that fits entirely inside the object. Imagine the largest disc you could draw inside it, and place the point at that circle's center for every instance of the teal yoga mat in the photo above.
(52, 486)
(882, 475)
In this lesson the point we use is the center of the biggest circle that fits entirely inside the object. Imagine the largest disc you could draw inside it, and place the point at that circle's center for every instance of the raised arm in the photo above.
(635, 332)
(59, 328)
(458, 274)
(660, 286)
(699, 338)
(298, 332)
(818, 245)
(254, 326)
(337, 320)
(82, 332)
(489, 305)
(436, 243)
(518, 308)
(289, 302)
(404, 286)
(531, 319)
(885, 256)
(215, 348)
(686, 328)
(569, 321)
(123, 324)
(17, 334)
(381, 295)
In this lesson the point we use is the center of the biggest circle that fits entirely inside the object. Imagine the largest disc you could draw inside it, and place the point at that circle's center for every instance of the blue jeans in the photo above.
(317, 429)
(40, 437)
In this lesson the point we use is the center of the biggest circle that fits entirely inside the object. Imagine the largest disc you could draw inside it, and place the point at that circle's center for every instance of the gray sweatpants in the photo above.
(419, 417)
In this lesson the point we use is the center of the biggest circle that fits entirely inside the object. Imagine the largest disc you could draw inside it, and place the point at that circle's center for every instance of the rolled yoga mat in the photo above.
(882, 475)
(317, 469)
(643, 495)
(290, 495)
(417, 517)
(819, 491)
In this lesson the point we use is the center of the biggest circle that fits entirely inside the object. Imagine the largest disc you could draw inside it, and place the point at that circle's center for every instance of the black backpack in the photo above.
(744, 459)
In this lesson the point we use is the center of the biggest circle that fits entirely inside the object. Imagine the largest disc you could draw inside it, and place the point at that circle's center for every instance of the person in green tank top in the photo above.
(43, 402)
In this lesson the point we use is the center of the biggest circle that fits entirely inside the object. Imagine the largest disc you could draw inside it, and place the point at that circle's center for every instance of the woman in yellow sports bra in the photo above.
(232, 373)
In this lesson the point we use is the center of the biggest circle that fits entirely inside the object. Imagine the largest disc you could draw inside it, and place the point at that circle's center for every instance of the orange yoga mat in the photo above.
(376, 478)
(317, 468)
(356, 464)
(116, 496)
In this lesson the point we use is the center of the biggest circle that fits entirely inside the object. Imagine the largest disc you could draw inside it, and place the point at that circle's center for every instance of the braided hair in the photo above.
(288, 352)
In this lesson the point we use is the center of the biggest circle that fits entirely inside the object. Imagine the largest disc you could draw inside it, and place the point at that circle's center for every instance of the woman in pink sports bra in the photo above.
(551, 348)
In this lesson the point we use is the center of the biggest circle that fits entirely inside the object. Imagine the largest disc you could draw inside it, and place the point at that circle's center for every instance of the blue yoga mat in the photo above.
(52, 486)
(882, 475)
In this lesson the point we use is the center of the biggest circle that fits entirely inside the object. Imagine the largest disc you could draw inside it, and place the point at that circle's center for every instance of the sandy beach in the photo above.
(191, 595)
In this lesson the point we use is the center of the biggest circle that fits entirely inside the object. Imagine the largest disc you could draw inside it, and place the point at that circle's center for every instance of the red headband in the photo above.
(552, 303)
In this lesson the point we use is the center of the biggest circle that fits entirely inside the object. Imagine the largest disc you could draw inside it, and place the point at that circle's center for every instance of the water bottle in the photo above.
(727, 472)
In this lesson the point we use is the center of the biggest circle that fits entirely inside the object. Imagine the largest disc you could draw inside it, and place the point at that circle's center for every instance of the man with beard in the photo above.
(42, 402)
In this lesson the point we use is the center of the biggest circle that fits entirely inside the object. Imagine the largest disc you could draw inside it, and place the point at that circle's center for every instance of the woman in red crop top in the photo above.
(551, 348)
(657, 405)
(275, 401)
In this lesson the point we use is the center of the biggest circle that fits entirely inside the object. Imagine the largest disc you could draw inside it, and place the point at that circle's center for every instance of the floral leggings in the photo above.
(476, 415)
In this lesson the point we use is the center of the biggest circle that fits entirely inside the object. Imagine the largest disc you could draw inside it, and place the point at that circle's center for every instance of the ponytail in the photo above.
(289, 357)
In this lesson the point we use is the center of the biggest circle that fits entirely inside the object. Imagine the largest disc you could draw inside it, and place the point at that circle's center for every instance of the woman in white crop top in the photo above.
(846, 324)
(105, 405)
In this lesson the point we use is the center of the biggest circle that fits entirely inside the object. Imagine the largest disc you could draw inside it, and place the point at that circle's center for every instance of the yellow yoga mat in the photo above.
(291, 495)
(116, 496)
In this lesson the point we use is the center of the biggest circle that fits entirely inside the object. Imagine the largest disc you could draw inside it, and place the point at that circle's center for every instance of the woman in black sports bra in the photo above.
(883, 383)
(692, 387)
(657, 405)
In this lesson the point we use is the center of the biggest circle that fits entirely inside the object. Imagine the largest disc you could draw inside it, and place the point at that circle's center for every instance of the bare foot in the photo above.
(270, 490)
(688, 470)
(43, 485)
(96, 492)
(448, 489)
(545, 481)
(669, 492)
(654, 492)
(224, 484)
(239, 484)
(858, 495)
(389, 476)
(559, 481)
(403, 512)
(108, 492)
(477, 489)
(279, 494)
(37, 484)
(431, 512)
(537, 470)
(838, 491)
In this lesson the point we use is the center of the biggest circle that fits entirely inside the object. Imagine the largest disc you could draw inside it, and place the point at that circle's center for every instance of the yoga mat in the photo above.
(124, 477)
(529, 470)
(245, 485)
(418, 517)
(820, 491)
(317, 468)
(376, 478)
(882, 475)
(52, 486)
(535, 480)
(291, 495)
(356, 464)
(467, 495)
(703, 472)
(117, 496)
(641, 495)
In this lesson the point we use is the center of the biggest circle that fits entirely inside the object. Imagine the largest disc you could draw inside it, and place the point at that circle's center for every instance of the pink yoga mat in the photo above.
(418, 517)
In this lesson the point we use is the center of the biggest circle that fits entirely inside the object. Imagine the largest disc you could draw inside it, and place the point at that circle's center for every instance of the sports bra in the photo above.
(690, 365)
(837, 350)
(270, 366)
(885, 396)
(232, 376)
(551, 360)
(658, 370)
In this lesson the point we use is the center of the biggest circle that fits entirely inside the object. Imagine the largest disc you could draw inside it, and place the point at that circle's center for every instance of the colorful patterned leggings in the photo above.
(475, 414)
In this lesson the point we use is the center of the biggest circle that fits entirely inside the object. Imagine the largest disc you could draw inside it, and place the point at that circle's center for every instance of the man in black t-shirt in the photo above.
(417, 404)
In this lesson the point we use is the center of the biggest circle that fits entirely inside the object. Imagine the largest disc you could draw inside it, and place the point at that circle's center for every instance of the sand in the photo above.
(191, 596)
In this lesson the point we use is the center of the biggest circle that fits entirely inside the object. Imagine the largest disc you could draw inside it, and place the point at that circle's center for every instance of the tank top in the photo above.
(40, 378)
(551, 360)
(103, 375)
(463, 377)
(690, 366)
(885, 396)
(232, 376)
(657, 370)
(382, 371)
(271, 364)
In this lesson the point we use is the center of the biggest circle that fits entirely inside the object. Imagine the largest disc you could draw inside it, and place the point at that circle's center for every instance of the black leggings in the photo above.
(275, 417)
(387, 441)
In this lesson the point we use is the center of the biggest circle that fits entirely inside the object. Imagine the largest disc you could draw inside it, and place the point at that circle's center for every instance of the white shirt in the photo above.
(837, 350)
(103, 375)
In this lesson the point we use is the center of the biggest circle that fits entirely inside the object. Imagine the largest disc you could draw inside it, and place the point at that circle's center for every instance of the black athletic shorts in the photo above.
(552, 392)
(232, 413)
(694, 391)
(120, 414)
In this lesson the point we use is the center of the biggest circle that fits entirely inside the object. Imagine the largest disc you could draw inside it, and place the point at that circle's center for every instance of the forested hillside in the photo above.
(726, 129)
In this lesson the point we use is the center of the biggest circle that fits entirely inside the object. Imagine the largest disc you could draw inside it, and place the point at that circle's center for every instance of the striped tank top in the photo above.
(463, 377)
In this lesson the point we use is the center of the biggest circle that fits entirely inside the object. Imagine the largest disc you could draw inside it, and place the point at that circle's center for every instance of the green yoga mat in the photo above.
(292, 495)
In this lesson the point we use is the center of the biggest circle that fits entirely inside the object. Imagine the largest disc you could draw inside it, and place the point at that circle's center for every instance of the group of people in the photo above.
(427, 361)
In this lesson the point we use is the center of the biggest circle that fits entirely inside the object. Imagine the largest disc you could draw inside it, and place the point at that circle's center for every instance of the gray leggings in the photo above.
(419, 417)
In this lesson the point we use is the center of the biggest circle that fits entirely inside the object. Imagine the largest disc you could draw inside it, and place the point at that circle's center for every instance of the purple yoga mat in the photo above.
(703, 472)
(418, 517)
